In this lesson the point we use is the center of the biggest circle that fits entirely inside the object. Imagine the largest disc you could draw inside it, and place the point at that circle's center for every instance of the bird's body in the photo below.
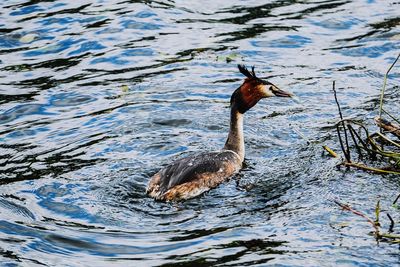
(191, 176)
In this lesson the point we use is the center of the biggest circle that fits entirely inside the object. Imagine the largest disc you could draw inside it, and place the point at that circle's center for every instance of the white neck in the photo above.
(235, 141)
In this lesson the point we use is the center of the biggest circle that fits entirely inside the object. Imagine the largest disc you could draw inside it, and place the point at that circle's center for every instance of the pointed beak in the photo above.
(281, 93)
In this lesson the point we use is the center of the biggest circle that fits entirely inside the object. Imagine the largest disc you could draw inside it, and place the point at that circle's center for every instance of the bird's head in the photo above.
(253, 89)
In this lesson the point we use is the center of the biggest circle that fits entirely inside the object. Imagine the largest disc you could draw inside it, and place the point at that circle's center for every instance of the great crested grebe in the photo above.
(189, 177)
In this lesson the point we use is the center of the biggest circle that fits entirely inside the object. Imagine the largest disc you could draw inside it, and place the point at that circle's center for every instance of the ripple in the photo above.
(14, 208)
(370, 51)
(22, 110)
(335, 24)
(53, 48)
(290, 41)
(137, 25)
(116, 60)
(69, 99)
(87, 46)
(27, 10)
(172, 122)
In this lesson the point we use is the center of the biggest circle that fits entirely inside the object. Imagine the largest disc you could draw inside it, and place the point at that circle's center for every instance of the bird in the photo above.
(191, 176)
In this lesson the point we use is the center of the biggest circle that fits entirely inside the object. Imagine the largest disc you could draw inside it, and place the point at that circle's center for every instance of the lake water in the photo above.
(96, 96)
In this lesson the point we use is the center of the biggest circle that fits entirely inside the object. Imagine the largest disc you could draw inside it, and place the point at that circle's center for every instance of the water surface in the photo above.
(96, 96)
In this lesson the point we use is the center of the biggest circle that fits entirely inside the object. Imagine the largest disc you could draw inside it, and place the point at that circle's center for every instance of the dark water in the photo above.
(95, 96)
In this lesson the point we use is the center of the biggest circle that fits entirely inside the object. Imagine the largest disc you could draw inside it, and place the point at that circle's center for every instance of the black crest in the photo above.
(246, 72)
(237, 97)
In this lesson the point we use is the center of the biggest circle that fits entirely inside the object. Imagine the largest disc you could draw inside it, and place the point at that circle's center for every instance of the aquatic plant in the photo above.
(379, 149)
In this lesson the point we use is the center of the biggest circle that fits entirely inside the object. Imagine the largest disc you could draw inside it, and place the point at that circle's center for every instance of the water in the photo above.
(96, 96)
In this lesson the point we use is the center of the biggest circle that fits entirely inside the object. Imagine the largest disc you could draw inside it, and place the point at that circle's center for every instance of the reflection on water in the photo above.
(96, 96)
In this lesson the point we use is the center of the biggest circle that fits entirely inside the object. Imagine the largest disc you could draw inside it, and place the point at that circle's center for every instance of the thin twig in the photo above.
(346, 151)
(391, 236)
(389, 140)
(371, 153)
(391, 223)
(359, 213)
(351, 130)
(377, 149)
(337, 102)
(397, 162)
(377, 212)
(391, 116)
(330, 151)
(341, 143)
(296, 129)
(384, 86)
(388, 126)
(397, 198)
(367, 168)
